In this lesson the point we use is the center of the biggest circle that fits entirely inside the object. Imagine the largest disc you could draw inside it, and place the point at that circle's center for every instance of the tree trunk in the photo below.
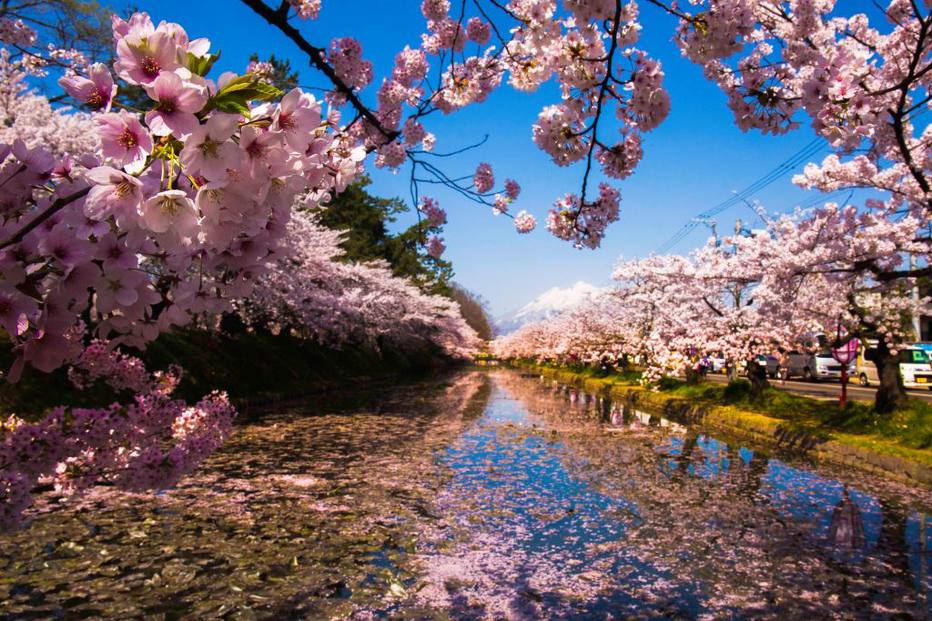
(693, 376)
(684, 459)
(890, 392)
(757, 375)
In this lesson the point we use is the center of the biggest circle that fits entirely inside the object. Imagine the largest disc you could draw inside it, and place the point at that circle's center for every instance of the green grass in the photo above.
(910, 427)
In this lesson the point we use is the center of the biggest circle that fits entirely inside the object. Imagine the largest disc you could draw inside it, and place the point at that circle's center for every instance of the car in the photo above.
(719, 364)
(915, 368)
(814, 367)
(771, 363)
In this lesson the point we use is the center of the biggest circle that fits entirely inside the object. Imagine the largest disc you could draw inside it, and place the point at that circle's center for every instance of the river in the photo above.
(482, 495)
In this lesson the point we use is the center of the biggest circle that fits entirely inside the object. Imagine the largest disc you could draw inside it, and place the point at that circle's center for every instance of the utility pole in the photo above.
(917, 323)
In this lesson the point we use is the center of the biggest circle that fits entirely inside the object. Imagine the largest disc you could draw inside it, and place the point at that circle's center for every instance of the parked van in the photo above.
(915, 368)
(814, 367)
(770, 363)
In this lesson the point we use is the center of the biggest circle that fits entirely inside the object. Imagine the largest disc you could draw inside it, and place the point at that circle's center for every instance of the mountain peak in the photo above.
(548, 304)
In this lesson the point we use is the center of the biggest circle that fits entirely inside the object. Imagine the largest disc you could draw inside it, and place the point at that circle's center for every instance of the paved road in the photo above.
(827, 390)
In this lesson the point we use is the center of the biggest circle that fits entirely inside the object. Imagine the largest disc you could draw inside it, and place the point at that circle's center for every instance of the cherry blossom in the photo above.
(177, 101)
(124, 140)
(525, 222)
(96, 90)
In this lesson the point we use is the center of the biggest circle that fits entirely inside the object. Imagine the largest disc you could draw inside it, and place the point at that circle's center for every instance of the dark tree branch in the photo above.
(317, 59)
(49, 211)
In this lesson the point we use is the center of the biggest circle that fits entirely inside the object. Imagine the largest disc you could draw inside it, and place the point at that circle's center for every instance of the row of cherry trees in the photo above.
(773, 291)
(173, 207)
(862, 82)
(310, 293)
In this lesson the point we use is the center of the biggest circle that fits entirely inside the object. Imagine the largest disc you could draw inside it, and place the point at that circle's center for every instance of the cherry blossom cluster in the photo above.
(309, 292)
(774, 291)
(260, 68)
(306, 9)
(175, 212)
(610, 92)
(431, 209)
(31, 119)
(584, 223)
(525, 222)
(15, 32)
(346, 58)
(100, 362)
(862, 85)
(22, 48)
(147, 443)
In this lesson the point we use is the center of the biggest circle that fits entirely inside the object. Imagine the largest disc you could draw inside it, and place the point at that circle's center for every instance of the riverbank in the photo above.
(255, 369)
(782, 421)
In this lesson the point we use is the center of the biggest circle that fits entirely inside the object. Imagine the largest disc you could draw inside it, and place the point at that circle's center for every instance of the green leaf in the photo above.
(201, 65)
(236, 94)
(250, 88)
(231, 105)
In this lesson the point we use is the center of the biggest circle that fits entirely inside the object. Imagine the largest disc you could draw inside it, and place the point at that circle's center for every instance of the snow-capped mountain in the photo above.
(548, 304)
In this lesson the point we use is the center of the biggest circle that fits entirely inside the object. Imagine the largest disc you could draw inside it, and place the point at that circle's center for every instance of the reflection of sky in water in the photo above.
(519, 472)
(809, 498)
(519, 482)
(803, 495)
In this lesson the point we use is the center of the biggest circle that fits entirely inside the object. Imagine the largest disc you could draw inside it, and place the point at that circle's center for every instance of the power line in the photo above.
(788, 165)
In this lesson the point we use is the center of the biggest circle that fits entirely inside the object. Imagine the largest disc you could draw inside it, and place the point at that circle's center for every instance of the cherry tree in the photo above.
(162, 217)
(308, 291)
(746, 296)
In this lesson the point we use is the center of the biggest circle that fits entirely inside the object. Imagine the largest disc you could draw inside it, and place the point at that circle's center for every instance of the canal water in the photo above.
(485, 495)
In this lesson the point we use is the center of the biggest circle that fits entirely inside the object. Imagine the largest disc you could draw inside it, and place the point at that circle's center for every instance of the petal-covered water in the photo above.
(488, 495)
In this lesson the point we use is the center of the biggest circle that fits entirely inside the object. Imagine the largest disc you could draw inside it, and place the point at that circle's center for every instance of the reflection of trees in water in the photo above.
(305, 513)
(310, 515)
(716, 531)
(846, 530)
(893, 535)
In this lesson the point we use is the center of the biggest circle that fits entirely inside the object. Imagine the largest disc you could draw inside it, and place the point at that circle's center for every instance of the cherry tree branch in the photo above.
(49, 211)
(317, 57)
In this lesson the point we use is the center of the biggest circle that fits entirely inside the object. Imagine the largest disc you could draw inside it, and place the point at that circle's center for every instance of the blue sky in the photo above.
(693, 161)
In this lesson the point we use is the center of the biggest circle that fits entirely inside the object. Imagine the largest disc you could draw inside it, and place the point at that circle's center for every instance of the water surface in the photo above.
(485, 495)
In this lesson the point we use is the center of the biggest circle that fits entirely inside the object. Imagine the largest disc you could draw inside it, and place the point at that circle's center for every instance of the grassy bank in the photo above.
(906, 434)
(251, 367)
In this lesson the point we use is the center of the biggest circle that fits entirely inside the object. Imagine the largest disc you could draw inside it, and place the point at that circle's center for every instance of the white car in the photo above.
(814, 367)
(915, 369)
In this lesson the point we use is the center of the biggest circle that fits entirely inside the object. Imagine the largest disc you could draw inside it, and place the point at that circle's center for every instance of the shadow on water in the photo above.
(489, 495)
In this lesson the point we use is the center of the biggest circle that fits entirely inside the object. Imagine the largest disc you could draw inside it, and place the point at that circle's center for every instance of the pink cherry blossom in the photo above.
(431, 209)
(524, 222)
(170, 210)
(478, 31)
(512, 189)
(484, 179)
(124, 140)
(176, 103)
(435, 246)
(297, 117)
(306, 9)
(113, 191)
(96, 90)
(209, 151)
(143, 56)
